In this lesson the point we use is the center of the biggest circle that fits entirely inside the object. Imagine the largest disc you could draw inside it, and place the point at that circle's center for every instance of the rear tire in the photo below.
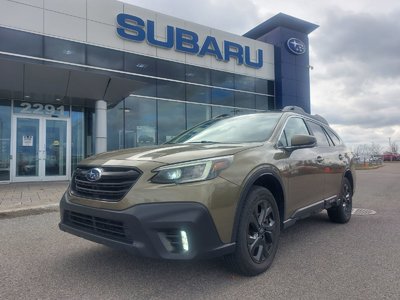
(342, 213)
(258, 234)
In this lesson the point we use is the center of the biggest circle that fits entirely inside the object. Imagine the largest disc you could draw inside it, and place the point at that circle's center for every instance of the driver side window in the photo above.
(293, 126)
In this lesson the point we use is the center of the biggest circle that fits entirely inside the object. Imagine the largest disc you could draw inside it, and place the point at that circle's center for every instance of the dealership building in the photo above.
(80, 77)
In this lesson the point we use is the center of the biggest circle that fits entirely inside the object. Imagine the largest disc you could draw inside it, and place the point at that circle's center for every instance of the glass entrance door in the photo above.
(41, 149)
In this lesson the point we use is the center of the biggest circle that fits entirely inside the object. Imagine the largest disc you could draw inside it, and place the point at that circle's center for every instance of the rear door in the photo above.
(330, 158)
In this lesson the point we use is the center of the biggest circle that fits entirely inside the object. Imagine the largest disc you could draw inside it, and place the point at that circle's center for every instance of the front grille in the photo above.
(111, 229)
(112, 186)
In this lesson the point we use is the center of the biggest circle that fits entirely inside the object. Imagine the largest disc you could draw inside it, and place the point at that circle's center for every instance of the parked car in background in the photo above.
(226, 187)
(388, 156)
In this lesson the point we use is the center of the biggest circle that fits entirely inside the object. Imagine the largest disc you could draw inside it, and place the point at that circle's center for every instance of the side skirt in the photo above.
(310, 210)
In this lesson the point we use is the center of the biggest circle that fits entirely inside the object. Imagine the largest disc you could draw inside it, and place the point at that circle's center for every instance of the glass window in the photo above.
(104, 58)
(115, 127)
(222, 79)
(319, 134)
(244, 83)
(63, 50)
(170, 70)
(262, 102)
(293, 126)
(222, 97)
(171, 120)
(200, 94)
(261, 86)
(271, 87)
(218, 111)
(140, 122)
(5, 136)
(239, 129)
(198, 75)
(140, 64)
(20, 42)
(143, 86)
(245, 100)
(271, 103)
(77, 136)
(170, 90)
(336, 140)
(196, 113)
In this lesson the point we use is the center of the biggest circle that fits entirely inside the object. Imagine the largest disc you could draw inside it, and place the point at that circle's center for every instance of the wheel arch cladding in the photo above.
(269, 180)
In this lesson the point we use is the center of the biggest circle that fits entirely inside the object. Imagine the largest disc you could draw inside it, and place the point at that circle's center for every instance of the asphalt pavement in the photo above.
(316, 259)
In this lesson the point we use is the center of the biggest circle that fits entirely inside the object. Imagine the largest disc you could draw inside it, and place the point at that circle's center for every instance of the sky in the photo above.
(355, 55)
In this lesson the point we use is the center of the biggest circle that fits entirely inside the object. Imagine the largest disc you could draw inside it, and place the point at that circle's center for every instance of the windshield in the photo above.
(238, 129)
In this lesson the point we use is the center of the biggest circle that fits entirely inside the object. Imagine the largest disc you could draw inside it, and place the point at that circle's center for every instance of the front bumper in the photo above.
(151, 230)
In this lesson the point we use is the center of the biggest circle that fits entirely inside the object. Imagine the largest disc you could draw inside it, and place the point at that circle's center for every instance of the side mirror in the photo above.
(303, 141)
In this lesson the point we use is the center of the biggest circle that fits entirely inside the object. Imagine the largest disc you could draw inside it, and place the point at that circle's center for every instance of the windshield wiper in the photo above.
(204, 142)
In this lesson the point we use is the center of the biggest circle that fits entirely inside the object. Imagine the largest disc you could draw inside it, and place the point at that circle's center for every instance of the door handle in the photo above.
(320, 159)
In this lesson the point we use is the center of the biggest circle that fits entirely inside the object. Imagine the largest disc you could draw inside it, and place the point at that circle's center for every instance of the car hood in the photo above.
(170, 153)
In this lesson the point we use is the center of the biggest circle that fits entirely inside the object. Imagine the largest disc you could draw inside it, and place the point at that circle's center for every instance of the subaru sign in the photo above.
(138, 30)
(296, 46)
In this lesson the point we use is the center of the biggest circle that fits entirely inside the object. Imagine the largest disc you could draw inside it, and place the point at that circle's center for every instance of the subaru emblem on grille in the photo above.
(94, 174)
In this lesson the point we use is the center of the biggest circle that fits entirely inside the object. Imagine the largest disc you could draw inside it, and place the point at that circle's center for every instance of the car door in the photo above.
(330, 158)
(303, 172)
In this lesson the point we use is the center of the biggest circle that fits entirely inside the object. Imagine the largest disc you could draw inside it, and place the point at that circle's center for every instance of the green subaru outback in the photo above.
(226, 187)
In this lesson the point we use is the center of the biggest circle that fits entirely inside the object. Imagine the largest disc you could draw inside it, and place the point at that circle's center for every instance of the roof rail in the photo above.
(301, 111)
(294, 109)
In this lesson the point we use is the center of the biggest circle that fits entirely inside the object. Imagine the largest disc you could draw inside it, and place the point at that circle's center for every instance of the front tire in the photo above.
(342, 212)
(258, 234)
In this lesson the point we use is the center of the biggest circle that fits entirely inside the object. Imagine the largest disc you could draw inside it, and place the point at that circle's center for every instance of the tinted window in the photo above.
(171, 120)
(20, 42)
(64, 50)
(170, 70)
(195, 93)
(5, 135)
(140, 122)
(336, 140)
(115, 125)
(140, 64)
(196, 114)
(245, 100)
(170, 90)
(222, 97)
(222, 79)
(244, 83)
(293, 127)
(319, 134)
(239, 129)
(105, 58)
(198, 75)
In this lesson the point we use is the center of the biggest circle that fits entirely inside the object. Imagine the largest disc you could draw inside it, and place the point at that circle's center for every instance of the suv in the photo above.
(226, 187)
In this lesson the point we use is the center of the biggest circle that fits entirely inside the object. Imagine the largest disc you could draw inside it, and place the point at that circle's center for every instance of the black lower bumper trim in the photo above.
(180, 231)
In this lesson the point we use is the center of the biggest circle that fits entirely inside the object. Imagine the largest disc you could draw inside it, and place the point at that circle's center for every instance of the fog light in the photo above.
(184, 240)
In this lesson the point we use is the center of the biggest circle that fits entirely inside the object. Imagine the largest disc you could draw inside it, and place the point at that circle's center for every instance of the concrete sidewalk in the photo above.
(19, 199)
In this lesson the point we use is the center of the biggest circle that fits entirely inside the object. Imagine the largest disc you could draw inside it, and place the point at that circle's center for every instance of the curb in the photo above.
(27, 211)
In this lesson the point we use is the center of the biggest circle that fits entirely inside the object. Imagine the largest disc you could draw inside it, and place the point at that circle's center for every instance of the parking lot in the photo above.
(316, 259)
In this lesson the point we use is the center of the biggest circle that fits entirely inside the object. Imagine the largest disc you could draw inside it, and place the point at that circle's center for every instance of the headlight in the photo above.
(196, 170)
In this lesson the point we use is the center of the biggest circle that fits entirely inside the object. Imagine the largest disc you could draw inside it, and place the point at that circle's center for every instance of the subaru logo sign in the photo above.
(94, 174)
(296, 46)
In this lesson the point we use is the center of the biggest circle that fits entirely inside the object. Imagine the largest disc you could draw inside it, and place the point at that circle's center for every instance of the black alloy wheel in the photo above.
(257, 234)
(261, 231)
(342, 212)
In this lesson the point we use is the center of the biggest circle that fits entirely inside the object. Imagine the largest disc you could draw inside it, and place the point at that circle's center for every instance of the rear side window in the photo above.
(336, 140)
(293, 126)
(319, 133)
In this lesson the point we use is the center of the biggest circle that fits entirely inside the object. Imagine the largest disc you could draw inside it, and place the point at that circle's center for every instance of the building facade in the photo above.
(81, 77)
